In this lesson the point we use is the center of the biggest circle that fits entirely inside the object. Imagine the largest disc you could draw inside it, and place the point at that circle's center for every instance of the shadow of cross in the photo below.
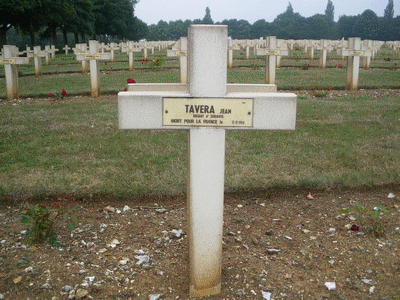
(206, 107)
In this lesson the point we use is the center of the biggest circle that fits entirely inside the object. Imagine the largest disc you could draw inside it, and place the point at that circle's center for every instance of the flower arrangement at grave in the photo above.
(56, 96)
(156, 63)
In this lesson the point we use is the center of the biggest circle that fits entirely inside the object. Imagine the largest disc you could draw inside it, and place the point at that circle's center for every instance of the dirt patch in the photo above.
(313, 248)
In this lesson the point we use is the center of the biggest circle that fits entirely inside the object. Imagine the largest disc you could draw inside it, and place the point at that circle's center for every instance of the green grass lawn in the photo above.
(77, 147)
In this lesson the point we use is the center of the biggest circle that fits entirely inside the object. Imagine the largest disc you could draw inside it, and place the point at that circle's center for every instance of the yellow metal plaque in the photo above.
(181, 53)
(7, 61)
(356, 53)
(208, 112)
(92, 56)
(273, 52)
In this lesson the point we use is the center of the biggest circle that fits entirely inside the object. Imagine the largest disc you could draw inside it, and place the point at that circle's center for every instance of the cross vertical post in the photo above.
(207, 78)
(37, 54)
(270, 61)
(206, 106)
(94, 69)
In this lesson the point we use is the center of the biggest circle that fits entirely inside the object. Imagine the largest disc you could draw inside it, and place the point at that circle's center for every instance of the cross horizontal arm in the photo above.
(144, 110)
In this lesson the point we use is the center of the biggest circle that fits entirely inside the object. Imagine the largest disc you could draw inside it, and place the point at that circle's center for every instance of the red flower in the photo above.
(395, 64)
(313, 89)
(125, 89)
(130, 80)
(145, 60)
(329, 89)
(50, 94)
(316, 94)
(388, 58)
(105, 63)
(63, 93)
(355, 227)
(51, 103)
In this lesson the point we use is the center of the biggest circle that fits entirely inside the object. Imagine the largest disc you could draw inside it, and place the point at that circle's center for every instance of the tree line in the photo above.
(101, 19)
(291, 25)
(107, 20)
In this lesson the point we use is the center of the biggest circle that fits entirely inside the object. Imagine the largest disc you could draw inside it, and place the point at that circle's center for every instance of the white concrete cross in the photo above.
(231, 47)
(113, 47)
(353, 62)
(145, 46)
(94, 56)
(37, 54)
(281, 45)
(130, 48)
(181, 52)
(366, 61)
(206, 107)
(47, 52)
(271, 52)
(66, 48)
(310, 49)
(10, 61)
(53, 51)
(79, 50)
(324, 48)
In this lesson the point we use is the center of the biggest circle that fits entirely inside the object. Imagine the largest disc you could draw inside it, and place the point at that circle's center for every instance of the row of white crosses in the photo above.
(206, 107)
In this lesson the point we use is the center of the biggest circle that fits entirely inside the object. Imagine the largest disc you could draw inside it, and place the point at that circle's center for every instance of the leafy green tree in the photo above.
(137, 30)
(330, 11)
(388, 30)
(207, 18)
(286, 24)
(57, 12)
(82, 21)
(345, 25)
(11, 12)
(389, 11)
(319, 27)
(31, 21)
(260, 28)
(368, 26)
(396, 29)
(112, 17)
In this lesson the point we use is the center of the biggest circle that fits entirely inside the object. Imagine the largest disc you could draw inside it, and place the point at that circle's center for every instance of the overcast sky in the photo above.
(152, 11)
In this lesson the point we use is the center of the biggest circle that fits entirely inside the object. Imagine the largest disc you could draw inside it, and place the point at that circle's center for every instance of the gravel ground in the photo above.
(286, 245)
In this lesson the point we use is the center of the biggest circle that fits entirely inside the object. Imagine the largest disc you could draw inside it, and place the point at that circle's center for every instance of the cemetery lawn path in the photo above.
(287, 243)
